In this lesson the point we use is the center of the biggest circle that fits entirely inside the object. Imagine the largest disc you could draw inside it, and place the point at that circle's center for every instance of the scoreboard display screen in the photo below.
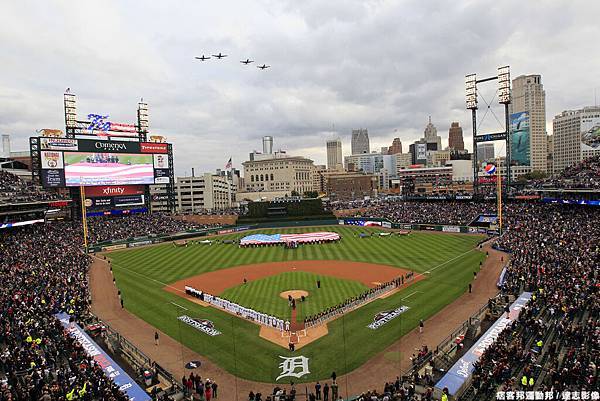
(67, 162)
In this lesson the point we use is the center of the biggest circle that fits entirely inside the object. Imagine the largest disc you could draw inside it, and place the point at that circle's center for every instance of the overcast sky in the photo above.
(381, 65)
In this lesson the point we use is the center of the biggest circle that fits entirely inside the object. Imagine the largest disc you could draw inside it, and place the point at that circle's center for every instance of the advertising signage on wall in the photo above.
(116, 190)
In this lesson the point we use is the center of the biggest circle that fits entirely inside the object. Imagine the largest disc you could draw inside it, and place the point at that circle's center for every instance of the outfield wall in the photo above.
(355, 221)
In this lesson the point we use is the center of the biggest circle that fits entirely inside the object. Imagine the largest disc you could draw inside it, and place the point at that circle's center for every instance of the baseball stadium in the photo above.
(434, 274)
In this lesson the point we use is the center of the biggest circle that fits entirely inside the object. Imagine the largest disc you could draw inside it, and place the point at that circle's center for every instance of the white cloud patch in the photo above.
(383, 65)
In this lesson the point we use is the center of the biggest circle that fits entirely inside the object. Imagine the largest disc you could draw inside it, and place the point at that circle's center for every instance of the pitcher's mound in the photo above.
(296, 294)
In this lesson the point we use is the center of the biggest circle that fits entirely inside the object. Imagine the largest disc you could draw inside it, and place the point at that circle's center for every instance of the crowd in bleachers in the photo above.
(106, 228)
(555, 344)
(14, 189)
(417, 212)
(43, 272)
(582, 175)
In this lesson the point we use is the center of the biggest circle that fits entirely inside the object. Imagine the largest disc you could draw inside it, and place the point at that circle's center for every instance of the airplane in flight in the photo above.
(203, 58)
(262, 67)
(219, 56)
(248, 61)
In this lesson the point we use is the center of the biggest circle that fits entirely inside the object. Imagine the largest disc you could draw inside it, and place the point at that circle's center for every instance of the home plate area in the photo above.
(257, 293)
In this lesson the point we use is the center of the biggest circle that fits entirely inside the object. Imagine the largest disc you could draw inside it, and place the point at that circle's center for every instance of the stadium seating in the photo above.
(15, 190)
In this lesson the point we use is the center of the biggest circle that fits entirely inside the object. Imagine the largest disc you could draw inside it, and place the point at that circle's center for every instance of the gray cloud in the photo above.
(384, 65)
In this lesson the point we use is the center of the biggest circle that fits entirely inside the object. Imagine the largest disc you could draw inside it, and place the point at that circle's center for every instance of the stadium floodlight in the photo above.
(504, 85)
(471, 91)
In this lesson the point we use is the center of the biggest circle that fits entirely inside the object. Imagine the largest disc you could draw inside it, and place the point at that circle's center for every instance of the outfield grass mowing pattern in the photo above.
(263, 295)
(140, 274)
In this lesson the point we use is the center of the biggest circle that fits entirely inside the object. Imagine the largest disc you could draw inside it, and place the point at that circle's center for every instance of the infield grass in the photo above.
(263, 295)
(449, 258)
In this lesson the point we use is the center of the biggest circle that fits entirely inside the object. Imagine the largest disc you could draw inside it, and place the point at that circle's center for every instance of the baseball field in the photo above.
(151, 278)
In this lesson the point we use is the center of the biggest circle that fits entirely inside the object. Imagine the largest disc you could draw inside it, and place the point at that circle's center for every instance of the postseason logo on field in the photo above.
(204, 325)
(383, 317)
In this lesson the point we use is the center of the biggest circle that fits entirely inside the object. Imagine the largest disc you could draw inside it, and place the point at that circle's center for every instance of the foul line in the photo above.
(141, 275)
(184, 308)
(410, 295)
(445, 263)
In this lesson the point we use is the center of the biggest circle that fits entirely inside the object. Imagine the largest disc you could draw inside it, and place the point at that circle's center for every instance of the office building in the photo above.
(371, 163)
(529, 97)
(204, 192)
(576, 136)
(485, 152)
(284, 174)
(334, 154)
(431, 136)
(395, 148)
(351, 186)
(455, 137)
(360, 141)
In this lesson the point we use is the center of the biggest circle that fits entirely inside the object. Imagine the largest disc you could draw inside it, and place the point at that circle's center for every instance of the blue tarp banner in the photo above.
(109, 367)
(462, 370)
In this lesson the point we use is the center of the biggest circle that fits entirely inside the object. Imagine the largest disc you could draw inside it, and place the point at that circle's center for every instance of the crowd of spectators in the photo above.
(14, 189)
(106, 228)
(417, 212)
(43, 272)
(555, 343)
(582, 175)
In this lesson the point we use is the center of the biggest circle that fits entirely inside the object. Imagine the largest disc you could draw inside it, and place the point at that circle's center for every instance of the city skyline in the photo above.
(346, 64)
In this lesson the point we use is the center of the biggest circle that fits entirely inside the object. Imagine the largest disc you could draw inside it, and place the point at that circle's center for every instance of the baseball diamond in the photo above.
(346, 280)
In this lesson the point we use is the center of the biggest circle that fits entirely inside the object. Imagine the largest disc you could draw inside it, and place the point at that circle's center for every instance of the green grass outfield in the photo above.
(263, 295)
(141, 273)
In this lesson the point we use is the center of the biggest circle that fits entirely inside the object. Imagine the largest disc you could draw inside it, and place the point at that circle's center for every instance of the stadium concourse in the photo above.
(553, 346)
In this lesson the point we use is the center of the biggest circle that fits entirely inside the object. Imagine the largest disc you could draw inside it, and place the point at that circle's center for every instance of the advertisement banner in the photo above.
(58, 144)
(140, 243)
(520, 138)
(161, 162)
(52, 159)
(152, 147)
(53, 178)
(590, 134)
(114, 247)
(115, 190)
(386, 224)
(128, 200)
(451, 229)
(109, 367)
(461, 371)
(421, 152)
(88, 145)
(161, 180)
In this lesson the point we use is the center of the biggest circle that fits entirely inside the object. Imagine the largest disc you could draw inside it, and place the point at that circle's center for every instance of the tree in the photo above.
(295, 193)
(311, 194)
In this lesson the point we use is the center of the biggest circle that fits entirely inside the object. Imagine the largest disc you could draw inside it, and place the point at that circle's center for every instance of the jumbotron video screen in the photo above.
(67, 162)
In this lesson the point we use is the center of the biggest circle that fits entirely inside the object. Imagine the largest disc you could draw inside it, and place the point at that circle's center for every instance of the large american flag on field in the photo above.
(255, 239)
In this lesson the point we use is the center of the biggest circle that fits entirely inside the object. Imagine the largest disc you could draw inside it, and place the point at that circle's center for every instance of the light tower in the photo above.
(471, 100)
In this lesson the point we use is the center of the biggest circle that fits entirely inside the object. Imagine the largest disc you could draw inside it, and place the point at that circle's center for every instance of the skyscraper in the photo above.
(334, 154)
(529, 97)
(431, 135)
(396, 147)
(485, 152)
(576, 136)
(360, 141)
(455, 137)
